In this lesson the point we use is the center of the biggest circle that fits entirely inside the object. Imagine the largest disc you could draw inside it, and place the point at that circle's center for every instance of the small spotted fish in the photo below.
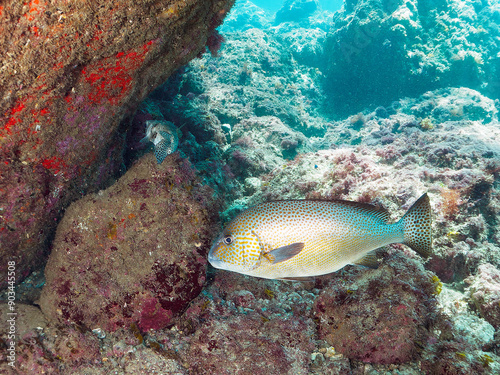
(298, 239)
(163, 135)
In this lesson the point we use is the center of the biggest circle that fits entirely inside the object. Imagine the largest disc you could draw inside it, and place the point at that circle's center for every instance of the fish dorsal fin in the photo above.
(283, 253)
(379, 213)
(369, 260)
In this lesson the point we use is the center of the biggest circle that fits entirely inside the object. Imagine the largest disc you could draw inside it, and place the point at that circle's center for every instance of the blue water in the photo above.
(275, 5)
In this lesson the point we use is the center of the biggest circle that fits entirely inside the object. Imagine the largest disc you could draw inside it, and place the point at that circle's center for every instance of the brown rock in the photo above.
(382, 316)
(70, 71)
(133, 255)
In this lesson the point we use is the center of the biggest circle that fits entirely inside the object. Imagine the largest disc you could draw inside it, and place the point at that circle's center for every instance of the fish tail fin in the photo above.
(417, 226)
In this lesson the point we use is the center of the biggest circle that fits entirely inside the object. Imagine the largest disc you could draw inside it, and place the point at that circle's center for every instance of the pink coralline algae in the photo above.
(132, 254)
(380, 317)
(259, 327)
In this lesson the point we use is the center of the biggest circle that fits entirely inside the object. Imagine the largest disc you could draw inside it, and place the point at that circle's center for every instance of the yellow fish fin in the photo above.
(369, 260)
(284, 252)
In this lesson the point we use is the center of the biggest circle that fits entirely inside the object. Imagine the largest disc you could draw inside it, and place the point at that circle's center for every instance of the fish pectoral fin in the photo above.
(369, 260)
(284, 253)
(165, 135)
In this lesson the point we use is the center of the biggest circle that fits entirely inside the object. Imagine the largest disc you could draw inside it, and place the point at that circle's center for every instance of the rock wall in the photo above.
(69, 72)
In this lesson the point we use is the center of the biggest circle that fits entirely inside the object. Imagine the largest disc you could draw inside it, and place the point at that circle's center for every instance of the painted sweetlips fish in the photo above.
(295, 239)
(163, 135)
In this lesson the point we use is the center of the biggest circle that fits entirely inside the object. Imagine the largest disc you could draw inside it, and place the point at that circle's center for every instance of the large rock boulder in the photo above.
(70, 71)
(133, 255)
(380, 317)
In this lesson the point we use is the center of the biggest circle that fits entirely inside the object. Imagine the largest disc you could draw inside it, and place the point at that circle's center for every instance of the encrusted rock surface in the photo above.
(256, 326)
(379, 318)
(132, 254)
(484, 293)
(70, 71)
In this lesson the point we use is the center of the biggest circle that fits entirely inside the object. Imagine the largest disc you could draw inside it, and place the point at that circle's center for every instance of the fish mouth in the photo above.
(214, 261)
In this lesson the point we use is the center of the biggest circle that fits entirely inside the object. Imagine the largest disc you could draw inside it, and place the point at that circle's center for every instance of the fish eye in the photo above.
(228, 240)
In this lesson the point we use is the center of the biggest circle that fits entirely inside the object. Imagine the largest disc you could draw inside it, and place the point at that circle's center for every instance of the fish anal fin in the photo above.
(283, 253)
(303, 279)
(369, 260)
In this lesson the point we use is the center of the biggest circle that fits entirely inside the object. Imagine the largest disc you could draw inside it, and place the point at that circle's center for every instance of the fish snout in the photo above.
(213, 259)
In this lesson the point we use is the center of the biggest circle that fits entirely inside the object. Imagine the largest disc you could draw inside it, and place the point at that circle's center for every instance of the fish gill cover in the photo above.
(377, 103)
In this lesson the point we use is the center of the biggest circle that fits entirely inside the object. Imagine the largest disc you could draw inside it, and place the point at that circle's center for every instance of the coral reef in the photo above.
(266, 329)
(71, 70)
(484, 293)
(441, 141)
(392, 158)
(261, 144)
(246, 15)
(246, 319)
(214, 91)
(128, 289)
(295, 10)
(382, 51)
(382, 317)
(132, 254)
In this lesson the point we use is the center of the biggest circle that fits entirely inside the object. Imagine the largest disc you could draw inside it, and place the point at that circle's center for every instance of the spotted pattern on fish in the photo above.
(163, 135)
(164, 144)
(302, 238)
